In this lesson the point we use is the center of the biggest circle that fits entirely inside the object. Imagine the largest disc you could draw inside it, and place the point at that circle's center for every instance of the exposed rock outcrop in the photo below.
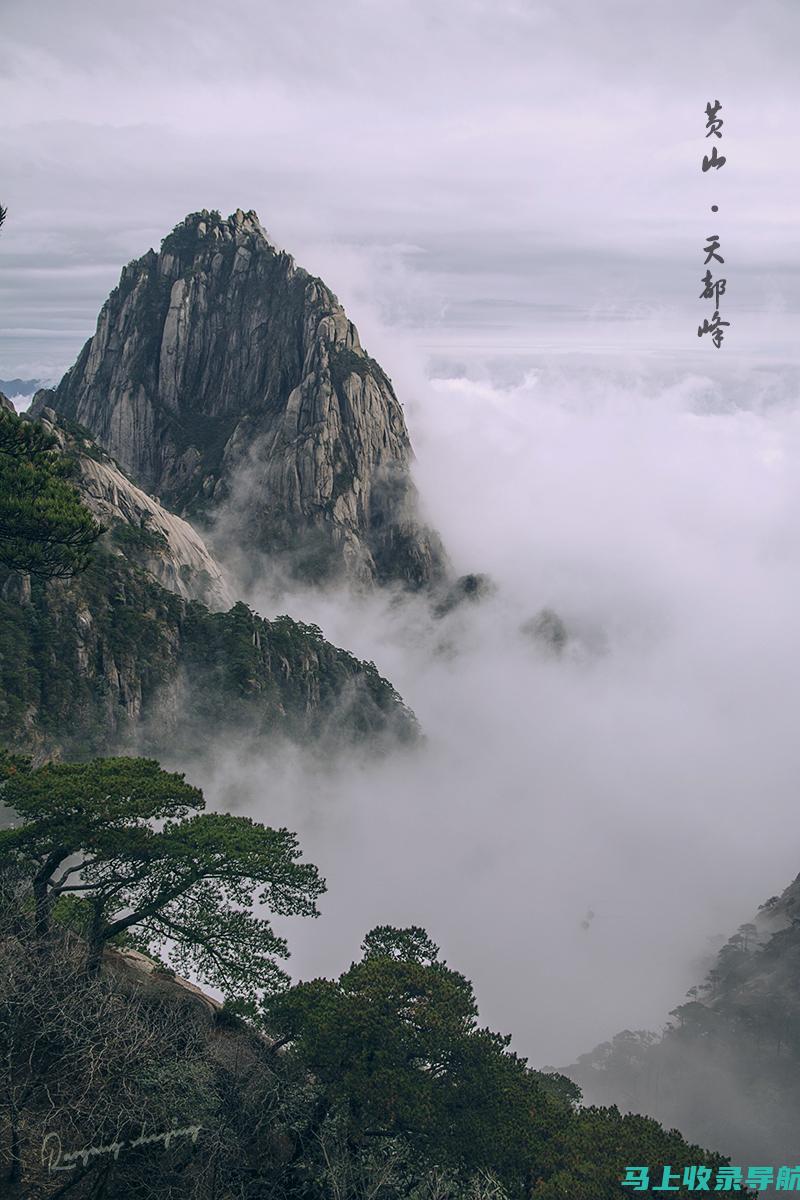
(471, 589)
(222, 377)
(138, 527)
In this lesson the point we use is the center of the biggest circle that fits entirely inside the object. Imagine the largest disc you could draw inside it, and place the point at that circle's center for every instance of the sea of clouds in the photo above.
(645, 778)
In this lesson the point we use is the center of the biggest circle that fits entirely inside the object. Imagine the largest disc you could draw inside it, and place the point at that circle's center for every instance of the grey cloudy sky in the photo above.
(512, 171)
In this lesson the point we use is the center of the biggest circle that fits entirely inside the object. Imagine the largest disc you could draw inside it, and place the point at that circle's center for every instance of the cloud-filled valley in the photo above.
(646, 773)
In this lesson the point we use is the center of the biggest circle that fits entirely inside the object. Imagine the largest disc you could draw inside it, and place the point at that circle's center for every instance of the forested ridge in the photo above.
(726, 1063)
(95, 654)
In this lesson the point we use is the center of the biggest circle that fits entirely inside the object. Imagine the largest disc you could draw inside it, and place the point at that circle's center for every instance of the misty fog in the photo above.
(647, 773)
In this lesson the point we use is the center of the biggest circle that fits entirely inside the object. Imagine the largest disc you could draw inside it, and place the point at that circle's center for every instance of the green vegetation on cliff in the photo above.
(44, 528)
(111, 659)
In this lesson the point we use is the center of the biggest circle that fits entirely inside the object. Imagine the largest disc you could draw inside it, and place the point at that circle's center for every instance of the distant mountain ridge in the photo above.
(726, 1069)
(224, 378)
(20, 387)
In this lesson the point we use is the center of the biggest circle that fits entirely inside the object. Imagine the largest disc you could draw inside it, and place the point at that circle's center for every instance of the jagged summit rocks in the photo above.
(230, 383)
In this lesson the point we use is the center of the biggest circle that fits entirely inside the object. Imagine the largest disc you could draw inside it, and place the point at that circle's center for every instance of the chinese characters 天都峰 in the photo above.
(713, 288)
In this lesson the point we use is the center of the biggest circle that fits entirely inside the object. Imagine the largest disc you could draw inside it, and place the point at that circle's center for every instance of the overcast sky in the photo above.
(510, 172)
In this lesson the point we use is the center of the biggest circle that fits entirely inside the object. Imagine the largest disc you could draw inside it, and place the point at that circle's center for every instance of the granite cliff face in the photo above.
(138, 528)
(226, 380)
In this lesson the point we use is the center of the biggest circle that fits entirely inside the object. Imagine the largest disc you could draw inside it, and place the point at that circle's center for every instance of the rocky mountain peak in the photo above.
(200, 231)
(230, 383)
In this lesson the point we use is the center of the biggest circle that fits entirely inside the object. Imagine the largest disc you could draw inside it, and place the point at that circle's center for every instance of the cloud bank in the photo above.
(648, 773)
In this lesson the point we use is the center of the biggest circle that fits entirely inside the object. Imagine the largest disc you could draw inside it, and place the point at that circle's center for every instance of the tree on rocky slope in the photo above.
(86, 831)
(44, 528)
